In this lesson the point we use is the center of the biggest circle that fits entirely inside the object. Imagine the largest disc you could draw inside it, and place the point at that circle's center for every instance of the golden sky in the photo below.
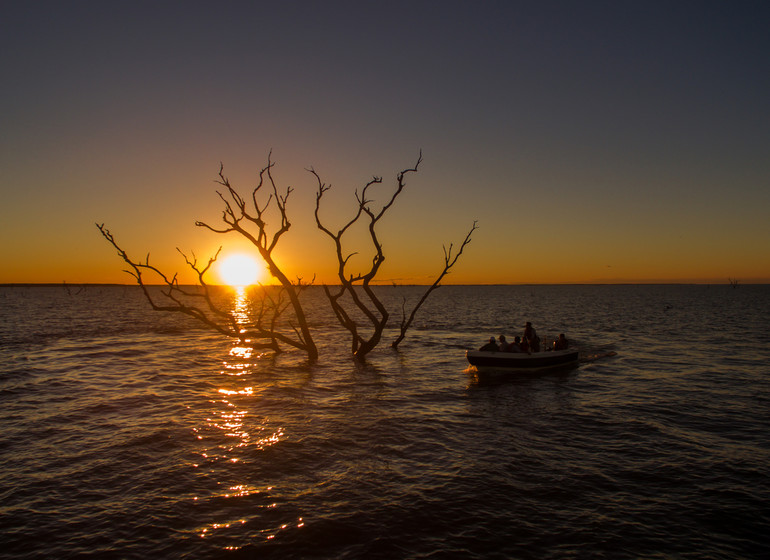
(620, 142)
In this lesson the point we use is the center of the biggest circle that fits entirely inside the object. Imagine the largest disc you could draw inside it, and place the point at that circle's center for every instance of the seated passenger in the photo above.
(525, 345)
(516, 345)
(490, 346)
(504, 346)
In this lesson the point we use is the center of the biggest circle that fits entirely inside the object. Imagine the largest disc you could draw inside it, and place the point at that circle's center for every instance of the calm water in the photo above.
(128, 433)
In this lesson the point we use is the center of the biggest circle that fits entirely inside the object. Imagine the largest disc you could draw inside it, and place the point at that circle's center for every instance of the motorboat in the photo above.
(523, 361)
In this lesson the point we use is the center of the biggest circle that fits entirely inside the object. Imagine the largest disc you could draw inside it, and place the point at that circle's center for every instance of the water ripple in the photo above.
(129, 434)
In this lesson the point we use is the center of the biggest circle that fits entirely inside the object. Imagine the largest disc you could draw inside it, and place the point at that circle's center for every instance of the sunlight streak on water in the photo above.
(242, 362)
(241, 305)
(247, 391)
(234, 434)
(243, 352)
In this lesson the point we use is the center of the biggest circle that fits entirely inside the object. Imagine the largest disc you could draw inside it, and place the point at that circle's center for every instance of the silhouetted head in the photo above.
(502, 338)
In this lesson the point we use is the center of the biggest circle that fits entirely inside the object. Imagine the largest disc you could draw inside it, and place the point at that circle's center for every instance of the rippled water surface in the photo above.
(128, 433)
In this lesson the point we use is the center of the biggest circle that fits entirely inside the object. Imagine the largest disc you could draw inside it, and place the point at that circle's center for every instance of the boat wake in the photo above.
(588, 358)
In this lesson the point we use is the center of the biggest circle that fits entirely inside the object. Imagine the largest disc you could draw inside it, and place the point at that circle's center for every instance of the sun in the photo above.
(239, 270)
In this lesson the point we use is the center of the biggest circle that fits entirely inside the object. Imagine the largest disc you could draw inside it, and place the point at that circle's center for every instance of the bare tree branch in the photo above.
(449, 262)
(277, 319)
(367, 302)
(236, 212)
(250, 223)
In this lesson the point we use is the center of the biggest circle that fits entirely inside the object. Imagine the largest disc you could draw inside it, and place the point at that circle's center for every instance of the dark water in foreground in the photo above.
(128, 434)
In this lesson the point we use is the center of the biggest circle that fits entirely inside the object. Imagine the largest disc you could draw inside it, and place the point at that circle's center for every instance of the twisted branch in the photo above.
(370, 305)
(449, 262)
(247, 220)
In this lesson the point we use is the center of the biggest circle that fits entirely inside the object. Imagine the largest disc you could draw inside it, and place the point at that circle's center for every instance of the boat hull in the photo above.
(519, 361)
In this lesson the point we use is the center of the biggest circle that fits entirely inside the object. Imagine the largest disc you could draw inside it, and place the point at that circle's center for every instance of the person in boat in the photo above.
(561, 343)
(530, 335)
(515, 345)
(524, 346)
(504, 345)
(490, 346)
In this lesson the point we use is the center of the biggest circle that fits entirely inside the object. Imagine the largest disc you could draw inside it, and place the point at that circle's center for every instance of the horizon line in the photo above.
(757, 282)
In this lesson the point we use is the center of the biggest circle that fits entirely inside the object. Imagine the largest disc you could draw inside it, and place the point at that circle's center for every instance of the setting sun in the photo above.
(239, 270)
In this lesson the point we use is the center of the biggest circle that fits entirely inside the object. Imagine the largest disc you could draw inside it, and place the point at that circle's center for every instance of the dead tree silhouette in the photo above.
(355, 294)
(246, 218)
(279, 320)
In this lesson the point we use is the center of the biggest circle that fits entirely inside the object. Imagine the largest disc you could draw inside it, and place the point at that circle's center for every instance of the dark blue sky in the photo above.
(637, 131)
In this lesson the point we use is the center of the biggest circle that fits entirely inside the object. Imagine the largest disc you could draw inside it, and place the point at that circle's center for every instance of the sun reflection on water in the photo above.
(242, 352)
(241, 305)
(234, 432)
(236, 423)
(267, 534)
(240, 355)
(245, 391)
